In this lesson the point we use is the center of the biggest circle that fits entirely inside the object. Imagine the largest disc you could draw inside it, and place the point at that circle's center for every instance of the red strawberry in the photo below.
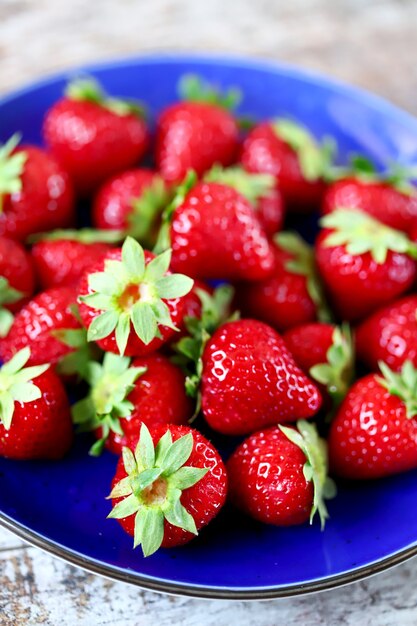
(259, 189)
(374, 433)
(289, 152)
(197, 133)
(36, 324)
(168, 487)
(123, 395)
(279, 475)
(324, 352)
(35, 192)
(94, 135)
(17, 281)
(363, 263)
(132, 201)
(292, 294)
(61, 257)
(389, 335)
(250, 380)
(130, 303)
(35, 419)
(214, 233)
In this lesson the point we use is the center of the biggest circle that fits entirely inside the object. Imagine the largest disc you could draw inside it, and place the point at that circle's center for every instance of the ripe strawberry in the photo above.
(250, 380)
(214, 233)
(168, 487)
(289, 152)
(35, 192)
(94, 135)
(17, 281)
(279, 475)
(374, 433)
(363, 263)
(35, 419)
(324, 352)
(130, 303)
(259, 189)
(123, 395)
(292, 294)
(133, 202)
(198, 132)
(37, 323)
(389, 335)
(61, 257)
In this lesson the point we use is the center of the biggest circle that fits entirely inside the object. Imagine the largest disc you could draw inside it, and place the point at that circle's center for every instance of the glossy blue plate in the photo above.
(61, 507)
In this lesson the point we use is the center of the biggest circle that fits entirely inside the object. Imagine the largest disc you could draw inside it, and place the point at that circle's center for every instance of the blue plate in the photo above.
(61, 507)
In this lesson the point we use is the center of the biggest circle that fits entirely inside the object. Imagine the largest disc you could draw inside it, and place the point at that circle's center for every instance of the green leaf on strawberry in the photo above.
(305, 436)
(156, 477)
(8, 295)
(303, 263)
(82, 235)
(360, 233)
(16, 384)
(11, 168)
(338, 372)
(252, 186)
(88, 89)
(194, 89)
(147, 209)
(131, 292)
(315, 159)
(403, 385)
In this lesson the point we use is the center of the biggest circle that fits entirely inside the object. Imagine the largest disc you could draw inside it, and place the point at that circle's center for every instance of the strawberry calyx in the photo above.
(132, 292)
(303, 263)
(315, 469)
(338, 372)
(403, 385)
(110, 384)
(360, 233)
(16, 384)
(315, 158)
(215, 311)
(181, 191)
(192, 88)
(156, 478)
(88, 89)
(8, 295)
(252, 186)
(11, 168)
(83, 235)
(147, 208)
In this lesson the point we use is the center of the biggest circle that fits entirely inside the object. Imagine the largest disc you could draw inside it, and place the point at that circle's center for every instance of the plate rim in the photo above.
(149, 583)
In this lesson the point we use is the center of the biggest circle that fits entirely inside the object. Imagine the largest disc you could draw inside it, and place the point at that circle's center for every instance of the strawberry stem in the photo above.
(194, 89)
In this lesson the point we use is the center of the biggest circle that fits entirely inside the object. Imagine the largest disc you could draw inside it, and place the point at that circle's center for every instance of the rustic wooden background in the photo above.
(367, 42)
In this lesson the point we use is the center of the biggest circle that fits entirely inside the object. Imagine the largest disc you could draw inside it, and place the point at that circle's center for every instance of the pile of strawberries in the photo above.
(187, 303)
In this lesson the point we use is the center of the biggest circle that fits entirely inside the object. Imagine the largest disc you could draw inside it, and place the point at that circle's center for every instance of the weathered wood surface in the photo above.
(370, 43)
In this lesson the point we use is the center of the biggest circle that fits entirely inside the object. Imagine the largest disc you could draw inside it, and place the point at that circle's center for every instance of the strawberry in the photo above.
(61, 257)
(35, 192)
(17, 281)
(37, 323)
(389, 335)
(133, 202)
(130, 303)
(123, 395)
(288, 151)
(167, 487)
(214, 233)
(374, 433)
(250, 380)
(279, 475)
(364, 264)
(35, 419)
(259, 189)
(198, 132)
(324, 352)
(94, 135)
(292, 294)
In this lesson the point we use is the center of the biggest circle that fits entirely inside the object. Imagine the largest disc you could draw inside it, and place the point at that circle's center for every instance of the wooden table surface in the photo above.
(367, 42)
